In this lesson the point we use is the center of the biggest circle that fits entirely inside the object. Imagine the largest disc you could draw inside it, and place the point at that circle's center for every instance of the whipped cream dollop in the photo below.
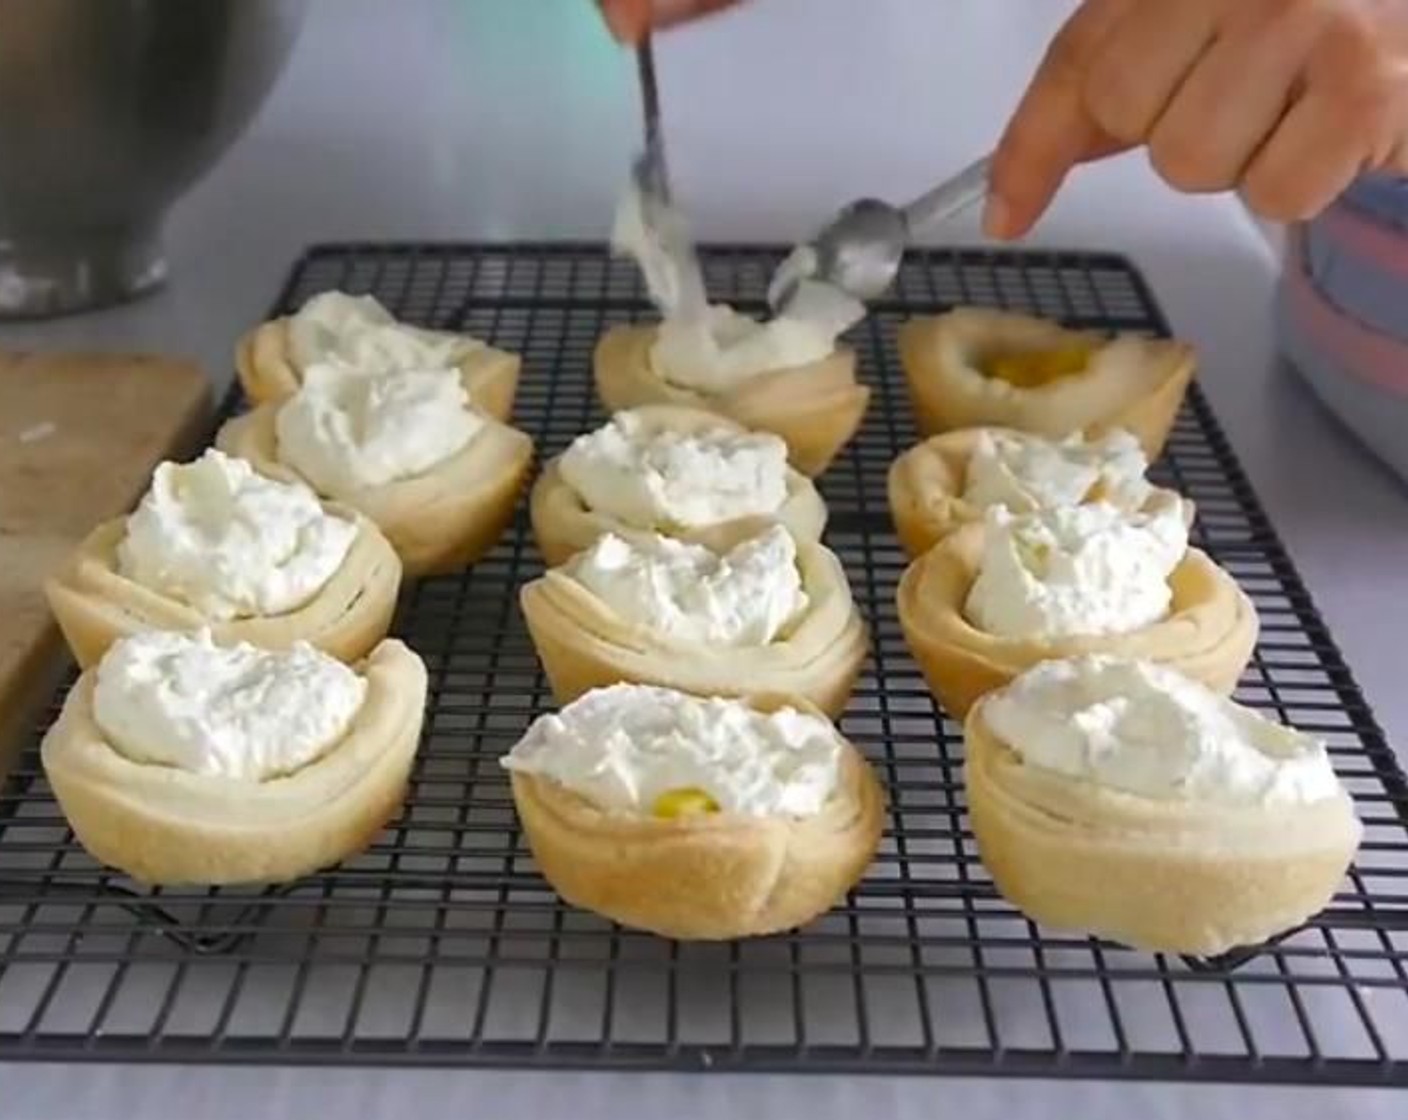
(1148, 730)
(1089, 569)
(344, 432)
(1026, 472)
(234, 712)
(712, 348)
(657, 477)
(624, 747)
(220, 537)
(746, 596)
(722, 348)
(359, 333)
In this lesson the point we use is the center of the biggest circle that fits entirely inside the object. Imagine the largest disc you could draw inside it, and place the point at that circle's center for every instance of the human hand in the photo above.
(1285, 101)
(629, 20)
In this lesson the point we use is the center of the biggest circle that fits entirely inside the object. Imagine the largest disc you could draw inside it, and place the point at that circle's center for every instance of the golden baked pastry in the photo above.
(926, 488)
(165, 825)
(1208, 634)
(977, 367)
(584, 643)
(564, 523)
(816, 407)
(95, 604)
(438, 521)
(269, 369)
(688, 869)
(1182, 874)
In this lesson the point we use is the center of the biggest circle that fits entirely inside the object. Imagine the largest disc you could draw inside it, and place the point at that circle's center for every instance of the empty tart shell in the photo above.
(1130, 382)
(268, 372)
(1172, 876)
(1209, 633)
(708, 877)
(584, 644)
(439, 521)
(816, 408)
(95, 604)
(926, 485)
(564, 525)
(164, 825)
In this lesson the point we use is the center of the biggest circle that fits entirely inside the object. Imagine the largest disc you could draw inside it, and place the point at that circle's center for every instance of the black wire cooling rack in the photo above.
(442, 946)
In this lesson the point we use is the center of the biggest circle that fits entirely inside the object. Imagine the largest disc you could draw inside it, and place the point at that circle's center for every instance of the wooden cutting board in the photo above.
(79, 435)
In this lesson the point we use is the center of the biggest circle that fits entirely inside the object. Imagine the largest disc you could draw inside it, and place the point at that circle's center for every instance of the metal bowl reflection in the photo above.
(108, 112)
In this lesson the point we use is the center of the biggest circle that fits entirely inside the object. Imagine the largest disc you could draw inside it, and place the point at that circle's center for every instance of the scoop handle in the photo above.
(949, 197)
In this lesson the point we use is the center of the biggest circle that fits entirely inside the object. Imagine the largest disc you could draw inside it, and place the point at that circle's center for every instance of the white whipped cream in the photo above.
(657, 237)
(344, 433)
(623, 747)
(712, 348)
(659, 477)
(723, 348)
(744, 597)
(359, 333)
(235, 712)
(1148, 730)
(1090, 569)
(1025, 472)
(222, 538)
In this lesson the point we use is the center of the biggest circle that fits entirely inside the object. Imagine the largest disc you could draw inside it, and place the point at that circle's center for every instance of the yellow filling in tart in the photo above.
(675, 803)
(1032, 369)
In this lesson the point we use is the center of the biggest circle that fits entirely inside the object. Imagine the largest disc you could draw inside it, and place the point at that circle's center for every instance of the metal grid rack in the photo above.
(441, 945)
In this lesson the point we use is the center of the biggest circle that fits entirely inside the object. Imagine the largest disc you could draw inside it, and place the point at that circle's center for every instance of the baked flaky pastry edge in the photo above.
(563, 525)
(1141, 394)
(439, 521)
(1158, 875)
(711, 877)
(924, 488)
(583, 644)
(163, 825)
(816, 408)
(1209, 633)
(95, 605)
(267, 371)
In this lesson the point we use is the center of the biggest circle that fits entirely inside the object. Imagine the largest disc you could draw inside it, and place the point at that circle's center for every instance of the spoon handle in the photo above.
(949, 197)
(654, 159)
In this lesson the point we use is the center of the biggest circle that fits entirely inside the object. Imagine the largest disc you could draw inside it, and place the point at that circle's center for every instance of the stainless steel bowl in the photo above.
(109, 110)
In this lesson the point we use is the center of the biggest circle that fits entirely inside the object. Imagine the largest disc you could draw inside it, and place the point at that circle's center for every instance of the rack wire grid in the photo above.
(442, 946)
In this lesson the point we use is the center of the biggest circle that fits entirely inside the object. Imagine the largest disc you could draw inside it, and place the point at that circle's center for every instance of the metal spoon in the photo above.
(859, 252)
(669, 263)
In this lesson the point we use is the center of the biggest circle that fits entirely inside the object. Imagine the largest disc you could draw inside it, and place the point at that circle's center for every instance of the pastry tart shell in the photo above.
(1170, 876)
(925, 488)
(164, 825)
(439, 521)
(816, 408)
(564, 525)
(1134, 383)
(95, 604)
(584, 644)
(710, 877)
(1209, 633)
(267, 371)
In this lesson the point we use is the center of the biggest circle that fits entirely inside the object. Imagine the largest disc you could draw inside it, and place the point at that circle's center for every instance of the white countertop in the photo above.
(509, 118)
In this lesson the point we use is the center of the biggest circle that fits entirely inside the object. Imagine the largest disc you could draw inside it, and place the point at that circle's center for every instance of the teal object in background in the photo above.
(567, 102)
(565, 40)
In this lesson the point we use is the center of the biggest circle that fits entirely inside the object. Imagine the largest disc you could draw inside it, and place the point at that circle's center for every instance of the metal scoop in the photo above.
(859, 252)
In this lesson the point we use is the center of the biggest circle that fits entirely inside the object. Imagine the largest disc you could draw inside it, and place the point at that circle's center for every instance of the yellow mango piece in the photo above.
(675, 803)
(1034, 368)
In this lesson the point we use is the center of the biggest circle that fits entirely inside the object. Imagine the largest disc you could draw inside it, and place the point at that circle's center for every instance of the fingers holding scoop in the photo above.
(1284, 100)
